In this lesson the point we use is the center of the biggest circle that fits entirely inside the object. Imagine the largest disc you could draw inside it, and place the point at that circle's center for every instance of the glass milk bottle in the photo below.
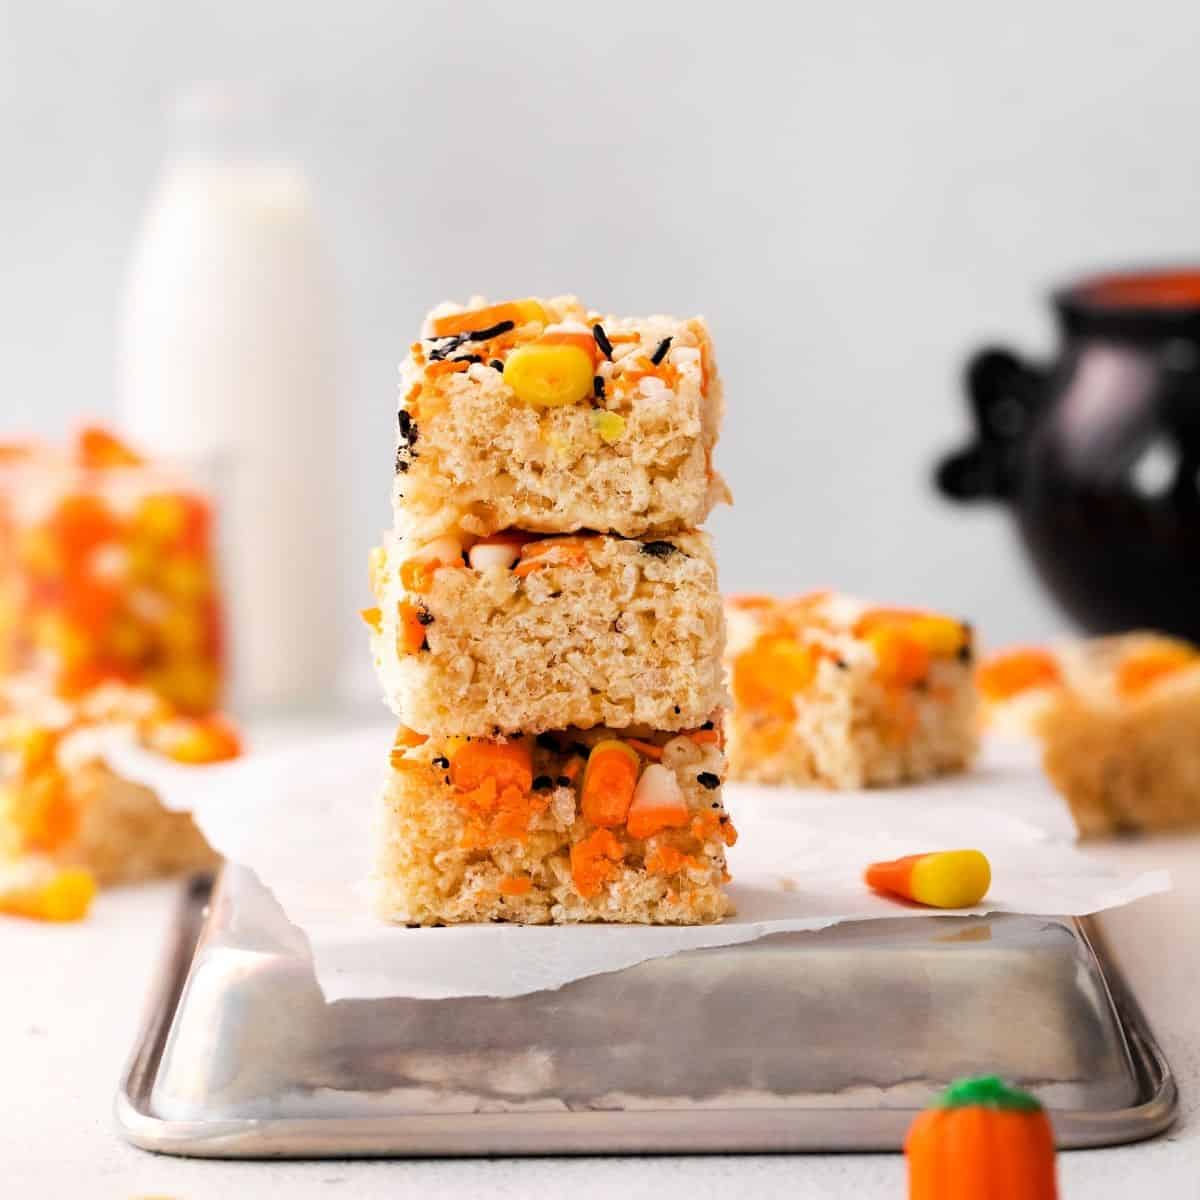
(228, 359)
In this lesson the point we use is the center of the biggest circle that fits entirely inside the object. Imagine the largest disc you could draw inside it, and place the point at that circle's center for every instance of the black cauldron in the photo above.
(1098, 453)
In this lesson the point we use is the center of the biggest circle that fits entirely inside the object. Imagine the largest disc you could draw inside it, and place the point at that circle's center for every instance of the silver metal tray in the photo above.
(800, 1042)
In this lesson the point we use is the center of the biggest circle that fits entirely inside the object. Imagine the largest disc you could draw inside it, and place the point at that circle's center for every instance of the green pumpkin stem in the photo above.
(987, 1091)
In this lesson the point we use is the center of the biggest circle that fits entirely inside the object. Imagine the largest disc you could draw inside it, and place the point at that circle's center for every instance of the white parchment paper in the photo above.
(301, 819)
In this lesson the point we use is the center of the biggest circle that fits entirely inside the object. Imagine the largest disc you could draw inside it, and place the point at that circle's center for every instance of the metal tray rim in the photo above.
(708, 1131)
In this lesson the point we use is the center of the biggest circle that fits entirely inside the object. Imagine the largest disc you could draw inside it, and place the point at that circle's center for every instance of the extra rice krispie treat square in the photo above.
(62, 806)
(518, 634)
(595, 825)
(830, 691)
(544, 416)
(1119, 719)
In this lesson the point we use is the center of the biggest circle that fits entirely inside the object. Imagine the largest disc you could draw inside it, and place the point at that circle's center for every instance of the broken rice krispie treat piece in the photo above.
(520, 634)
(1120, 728)
(828, 690)
(62, 806)
(544, 416)
(596, 825)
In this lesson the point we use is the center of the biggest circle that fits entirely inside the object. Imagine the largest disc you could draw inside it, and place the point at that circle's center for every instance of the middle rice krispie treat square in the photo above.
(544, 416)
(579, 825)
(520, 634)
(830, 691)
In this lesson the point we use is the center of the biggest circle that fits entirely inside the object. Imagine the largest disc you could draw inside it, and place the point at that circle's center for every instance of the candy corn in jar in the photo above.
(107, 572)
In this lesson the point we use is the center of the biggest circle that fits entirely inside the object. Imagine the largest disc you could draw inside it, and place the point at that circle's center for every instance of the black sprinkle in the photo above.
(965, 653)
(408, 427)
(483, 335)
(841, 664)
(497, 365)
(424, 616)
(706, 779)
(659, 549)
(563, 781)
(678, 710)
(716, 804)
(724, 819)
(579, 748)
(424, 643)
(547, 741)
(495, 731)
(442, 761)
(468, 358)
(542, 782)
(401, 466)
(707, 725)
(661, 352)
(598, 387)
(447, 778)
(602, 341)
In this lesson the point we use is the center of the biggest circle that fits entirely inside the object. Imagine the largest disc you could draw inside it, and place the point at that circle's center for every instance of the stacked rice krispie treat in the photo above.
(548, 625)
(832, 691)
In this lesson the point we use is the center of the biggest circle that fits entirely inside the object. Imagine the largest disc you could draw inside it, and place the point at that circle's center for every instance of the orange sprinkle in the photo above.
(515, 885)
(593, 861)
(408, 737)
(373, 617)
(447, 366)
(705, 737)
(647, 749)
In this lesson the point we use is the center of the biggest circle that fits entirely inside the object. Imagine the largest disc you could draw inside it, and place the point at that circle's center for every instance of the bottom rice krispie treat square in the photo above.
(62, 806)
(570, 826)
(830, 691)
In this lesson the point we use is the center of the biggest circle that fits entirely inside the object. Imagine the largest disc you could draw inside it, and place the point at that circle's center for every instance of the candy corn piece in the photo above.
(64, 896)
(945, 879)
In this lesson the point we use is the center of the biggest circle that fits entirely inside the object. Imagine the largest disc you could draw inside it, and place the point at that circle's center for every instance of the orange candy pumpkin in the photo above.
(981, 1140)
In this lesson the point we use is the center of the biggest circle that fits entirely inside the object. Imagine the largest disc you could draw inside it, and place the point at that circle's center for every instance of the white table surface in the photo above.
(71, 1001)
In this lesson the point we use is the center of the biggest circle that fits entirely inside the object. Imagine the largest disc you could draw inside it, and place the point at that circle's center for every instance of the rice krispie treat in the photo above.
(828, 690)
(544, 416)
(595, 825)
(1119, 721)
(108, 572)
(62, 806)
(519, 633)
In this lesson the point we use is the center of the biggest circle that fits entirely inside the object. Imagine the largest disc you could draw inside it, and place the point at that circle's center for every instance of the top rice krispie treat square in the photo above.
(544, 416)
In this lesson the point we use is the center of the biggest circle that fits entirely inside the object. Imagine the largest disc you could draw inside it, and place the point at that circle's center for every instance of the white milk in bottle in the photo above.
(228, 359)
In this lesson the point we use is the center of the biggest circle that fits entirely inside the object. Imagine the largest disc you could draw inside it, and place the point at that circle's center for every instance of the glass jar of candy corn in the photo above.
(107, 572)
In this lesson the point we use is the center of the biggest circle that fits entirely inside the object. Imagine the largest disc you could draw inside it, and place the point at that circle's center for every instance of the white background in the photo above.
(855, 195)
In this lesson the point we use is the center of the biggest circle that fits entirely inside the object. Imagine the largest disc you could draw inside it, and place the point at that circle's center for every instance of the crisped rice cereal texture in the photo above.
(1123, 762)
(817, 702)
(446, 855)
(624, 633)
(473, 459)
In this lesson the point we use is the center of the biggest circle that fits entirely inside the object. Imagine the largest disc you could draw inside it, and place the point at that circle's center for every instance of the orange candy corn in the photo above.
(945, 879)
